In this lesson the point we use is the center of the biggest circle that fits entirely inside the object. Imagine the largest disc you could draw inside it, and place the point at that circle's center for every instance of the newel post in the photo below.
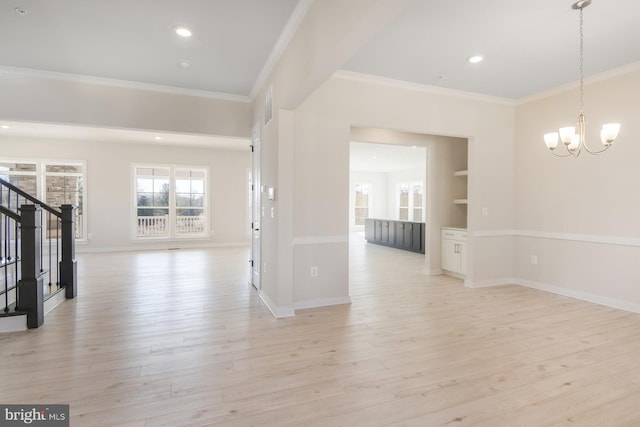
(31, 283)
(68, 267)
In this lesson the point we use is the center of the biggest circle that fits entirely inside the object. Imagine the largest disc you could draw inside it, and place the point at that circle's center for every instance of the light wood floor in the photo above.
(178, 338)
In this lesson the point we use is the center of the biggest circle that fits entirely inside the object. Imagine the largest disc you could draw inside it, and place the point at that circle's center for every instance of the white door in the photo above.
(255, 210)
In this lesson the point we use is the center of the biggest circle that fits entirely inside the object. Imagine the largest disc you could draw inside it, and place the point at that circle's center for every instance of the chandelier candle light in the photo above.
(574, 142)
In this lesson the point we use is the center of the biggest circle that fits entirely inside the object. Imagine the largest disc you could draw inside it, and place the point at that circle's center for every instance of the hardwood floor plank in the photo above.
(178, 338)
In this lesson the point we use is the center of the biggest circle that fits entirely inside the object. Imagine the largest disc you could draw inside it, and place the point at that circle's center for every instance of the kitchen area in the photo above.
(410, 192)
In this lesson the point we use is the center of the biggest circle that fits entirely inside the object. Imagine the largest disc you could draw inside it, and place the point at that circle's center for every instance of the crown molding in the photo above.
(605, 75)
(419, 87)
(126, 84)
(298, 14)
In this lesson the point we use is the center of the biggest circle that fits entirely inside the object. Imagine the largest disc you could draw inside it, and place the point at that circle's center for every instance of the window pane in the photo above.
(197, 200)
(189, 212)
(62, 189)
(18, 167)
(27, 183)
(152, 222)
(161, 185)
(183, 186)
(63, 168)
(361, 215)
(161, 199)
(404, 198)
(404, 214)
(145, 199)
(144, 171)
(190, 221)
(183, 200)
(144, 185)
(197, 186)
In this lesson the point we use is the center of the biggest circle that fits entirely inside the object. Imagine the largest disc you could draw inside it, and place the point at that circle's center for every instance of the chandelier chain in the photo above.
(581, 65)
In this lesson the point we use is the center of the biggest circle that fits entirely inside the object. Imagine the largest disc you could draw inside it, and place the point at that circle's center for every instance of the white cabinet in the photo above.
(454, 252)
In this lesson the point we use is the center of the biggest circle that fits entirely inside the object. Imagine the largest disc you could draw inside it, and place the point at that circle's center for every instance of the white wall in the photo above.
(48, 98)
(109, 187)
(579, 216)
(321, 44)
(322, 136)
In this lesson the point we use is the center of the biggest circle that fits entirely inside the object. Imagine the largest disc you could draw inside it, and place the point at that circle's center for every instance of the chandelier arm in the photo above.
(594, 151)
(569, 154)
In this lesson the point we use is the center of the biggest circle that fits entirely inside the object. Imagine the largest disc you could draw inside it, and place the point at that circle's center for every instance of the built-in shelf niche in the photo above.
(463, 174)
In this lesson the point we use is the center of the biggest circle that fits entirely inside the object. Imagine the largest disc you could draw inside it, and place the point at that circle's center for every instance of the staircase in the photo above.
(37, 258)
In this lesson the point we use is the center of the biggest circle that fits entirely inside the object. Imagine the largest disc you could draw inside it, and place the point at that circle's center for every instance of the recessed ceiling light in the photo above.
(4, 126)
(158, 138)
(184, 63)
(183, 31)
(475, 59)
(414, 146)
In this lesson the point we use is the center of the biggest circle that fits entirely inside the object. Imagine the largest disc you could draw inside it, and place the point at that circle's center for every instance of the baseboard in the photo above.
(157, 247)
(278, 312)
(584, 296)
(488, 283)
(454, 274)
(16, 323)
(54, 301)
(433, 271)
(323, 302)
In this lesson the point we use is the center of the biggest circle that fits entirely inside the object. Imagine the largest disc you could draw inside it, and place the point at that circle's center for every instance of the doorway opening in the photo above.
(408, 177)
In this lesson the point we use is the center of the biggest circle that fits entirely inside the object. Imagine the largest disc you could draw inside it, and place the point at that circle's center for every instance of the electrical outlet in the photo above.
(314, 271)
(485, 211)
(264, 267)
(534, 259)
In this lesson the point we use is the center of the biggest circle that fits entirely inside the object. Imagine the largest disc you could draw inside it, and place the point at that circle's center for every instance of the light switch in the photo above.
(273, 212)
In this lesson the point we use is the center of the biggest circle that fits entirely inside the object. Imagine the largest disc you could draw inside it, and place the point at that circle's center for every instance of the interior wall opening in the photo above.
(407, 180)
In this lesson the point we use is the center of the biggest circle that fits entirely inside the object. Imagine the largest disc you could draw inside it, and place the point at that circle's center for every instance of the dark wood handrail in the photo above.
(31, 198)
(9, 213)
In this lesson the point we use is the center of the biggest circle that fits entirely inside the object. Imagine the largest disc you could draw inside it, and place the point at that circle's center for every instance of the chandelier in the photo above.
(575, 142)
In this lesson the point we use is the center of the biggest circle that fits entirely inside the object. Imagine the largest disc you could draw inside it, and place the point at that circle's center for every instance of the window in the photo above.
(362, 201)
(410, 201)
(417, 202)
(62, 183)
(403, 203)
(190, 202)
(170, 202)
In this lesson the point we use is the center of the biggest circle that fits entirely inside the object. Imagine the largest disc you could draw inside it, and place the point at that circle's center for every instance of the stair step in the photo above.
(13, 321)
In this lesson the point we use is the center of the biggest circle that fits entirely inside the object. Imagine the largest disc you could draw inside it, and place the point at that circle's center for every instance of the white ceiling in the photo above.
(528, 47)
(134, 40)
